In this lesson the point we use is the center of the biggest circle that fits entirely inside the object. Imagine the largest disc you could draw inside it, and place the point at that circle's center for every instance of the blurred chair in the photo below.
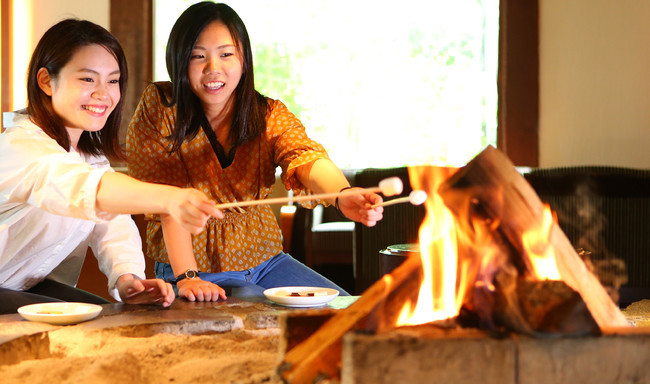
(400, 225)
(604, 210)
(328, 240)
(321, 239)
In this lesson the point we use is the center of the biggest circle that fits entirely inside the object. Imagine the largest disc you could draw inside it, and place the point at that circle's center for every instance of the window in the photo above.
(378, 83)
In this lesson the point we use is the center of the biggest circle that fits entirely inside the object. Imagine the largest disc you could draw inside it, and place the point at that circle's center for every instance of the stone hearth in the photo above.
(229, 341)
(241, 342)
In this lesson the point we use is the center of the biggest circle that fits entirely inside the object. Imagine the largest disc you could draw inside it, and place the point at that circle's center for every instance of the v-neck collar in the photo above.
(225, 160)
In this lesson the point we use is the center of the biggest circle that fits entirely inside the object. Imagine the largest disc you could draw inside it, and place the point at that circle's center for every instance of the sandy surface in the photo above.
(239, 356)
(638, 313)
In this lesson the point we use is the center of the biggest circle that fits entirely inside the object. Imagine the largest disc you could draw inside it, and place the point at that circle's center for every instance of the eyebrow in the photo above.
(117, 72)
(219, 47)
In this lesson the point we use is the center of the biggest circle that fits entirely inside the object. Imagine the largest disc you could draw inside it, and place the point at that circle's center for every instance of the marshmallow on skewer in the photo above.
(416, 197)
(391, 186)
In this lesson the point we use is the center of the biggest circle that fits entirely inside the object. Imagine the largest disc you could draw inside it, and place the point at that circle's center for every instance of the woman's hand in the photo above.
(200, 290)
(322, 176)
(358, 207)
(152, 291)
(191, 208)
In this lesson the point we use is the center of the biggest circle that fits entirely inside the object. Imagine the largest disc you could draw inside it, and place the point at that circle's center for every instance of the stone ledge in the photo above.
(25, 340)
(425, 354)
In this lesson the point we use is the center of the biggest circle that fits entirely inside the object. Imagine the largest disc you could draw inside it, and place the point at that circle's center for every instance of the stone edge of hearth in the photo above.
(473, 356)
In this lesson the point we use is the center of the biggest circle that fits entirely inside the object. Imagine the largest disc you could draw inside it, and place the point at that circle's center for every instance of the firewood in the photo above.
(527, 306)
(319, 356)
(552, 307)
(296, 326)
(490, 187)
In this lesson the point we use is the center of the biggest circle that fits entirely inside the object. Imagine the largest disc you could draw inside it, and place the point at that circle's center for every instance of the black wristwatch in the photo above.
(189, 274)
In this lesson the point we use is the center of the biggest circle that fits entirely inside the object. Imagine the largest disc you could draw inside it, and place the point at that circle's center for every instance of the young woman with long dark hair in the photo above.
(209, 128)
(58, 192)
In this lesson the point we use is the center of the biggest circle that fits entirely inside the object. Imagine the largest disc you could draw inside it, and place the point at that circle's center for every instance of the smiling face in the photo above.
(215, 68)
(85, 91)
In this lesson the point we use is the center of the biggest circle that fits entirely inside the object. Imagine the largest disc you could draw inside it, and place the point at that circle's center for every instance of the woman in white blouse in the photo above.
(58, 193)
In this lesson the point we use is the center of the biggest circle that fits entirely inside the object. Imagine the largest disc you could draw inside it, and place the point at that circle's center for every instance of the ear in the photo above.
(44, 81)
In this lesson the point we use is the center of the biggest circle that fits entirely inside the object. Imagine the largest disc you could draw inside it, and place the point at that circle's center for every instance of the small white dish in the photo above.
(60, 313)
(301, 296)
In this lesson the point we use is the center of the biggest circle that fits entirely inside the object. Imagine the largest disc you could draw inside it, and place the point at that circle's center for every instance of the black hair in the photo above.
(53, 51)
(250, 106)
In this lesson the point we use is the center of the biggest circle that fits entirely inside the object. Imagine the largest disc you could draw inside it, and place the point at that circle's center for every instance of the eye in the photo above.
(227, 54)
(87, 79)
(114, 81)
(197, 56)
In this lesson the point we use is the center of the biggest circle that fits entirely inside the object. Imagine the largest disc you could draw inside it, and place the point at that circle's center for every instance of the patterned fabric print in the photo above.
(246, 236)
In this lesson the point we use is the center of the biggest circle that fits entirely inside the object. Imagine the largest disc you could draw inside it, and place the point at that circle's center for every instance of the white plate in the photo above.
(60, 313)
(309, 296)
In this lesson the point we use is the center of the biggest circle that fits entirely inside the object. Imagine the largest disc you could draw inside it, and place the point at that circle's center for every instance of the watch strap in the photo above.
(189, 274)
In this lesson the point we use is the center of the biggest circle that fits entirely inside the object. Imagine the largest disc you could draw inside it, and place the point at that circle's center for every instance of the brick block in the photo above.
(424, 355)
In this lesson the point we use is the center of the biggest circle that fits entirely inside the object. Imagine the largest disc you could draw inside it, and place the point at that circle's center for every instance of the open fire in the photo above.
(444, 283)
(437, 298)
(492, 258)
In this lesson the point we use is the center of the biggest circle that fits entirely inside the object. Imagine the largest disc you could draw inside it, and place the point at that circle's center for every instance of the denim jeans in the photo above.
(281, 270)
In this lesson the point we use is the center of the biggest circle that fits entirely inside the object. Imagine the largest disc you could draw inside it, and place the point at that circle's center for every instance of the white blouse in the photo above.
(48, 215)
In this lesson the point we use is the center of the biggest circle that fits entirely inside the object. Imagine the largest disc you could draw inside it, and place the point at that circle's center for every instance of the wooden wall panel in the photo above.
(132, 23)
(518, 82)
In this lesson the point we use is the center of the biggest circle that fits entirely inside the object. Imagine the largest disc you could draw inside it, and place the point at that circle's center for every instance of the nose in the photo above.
(100, 92)
(212, 66)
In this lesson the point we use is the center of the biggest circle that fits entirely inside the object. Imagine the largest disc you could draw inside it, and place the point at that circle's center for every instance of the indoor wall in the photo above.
(594, 83)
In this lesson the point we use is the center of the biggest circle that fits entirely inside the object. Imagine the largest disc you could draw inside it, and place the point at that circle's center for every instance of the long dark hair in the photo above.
(250, 106)
(53, 52)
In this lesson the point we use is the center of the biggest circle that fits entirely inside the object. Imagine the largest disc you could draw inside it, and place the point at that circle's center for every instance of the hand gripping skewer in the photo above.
(416, 197)
(388, 187)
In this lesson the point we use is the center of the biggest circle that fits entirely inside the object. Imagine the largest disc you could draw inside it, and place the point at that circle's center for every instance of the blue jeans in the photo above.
(281, 270)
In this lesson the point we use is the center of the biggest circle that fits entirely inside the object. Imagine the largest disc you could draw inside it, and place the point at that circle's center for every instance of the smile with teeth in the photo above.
(95, 109)
(214, 85)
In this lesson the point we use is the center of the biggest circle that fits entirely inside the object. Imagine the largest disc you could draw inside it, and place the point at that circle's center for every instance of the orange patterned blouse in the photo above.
(246, 236)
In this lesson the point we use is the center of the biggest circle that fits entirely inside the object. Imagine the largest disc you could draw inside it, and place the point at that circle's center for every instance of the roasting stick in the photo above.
(415, 197)
(388, 187)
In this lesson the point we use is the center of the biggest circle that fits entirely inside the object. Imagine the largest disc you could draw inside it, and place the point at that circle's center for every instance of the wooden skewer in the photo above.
(415, 197)
(388, 187)
(392, 202)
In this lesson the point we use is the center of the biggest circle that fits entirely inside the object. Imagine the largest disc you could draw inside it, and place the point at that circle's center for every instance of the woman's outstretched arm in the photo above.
(119, 193)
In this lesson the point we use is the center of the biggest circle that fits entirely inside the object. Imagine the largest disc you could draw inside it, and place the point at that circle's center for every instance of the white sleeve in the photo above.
(117, 245)
(37, 171)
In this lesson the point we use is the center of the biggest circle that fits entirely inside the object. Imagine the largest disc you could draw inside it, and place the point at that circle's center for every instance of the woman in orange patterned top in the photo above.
(210, 129)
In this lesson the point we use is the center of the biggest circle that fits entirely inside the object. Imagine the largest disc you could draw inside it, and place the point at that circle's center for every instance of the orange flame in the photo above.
(537, 245)
(445, 280)
(437, 298)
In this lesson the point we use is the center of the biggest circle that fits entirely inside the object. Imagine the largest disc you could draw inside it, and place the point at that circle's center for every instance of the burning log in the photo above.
(320, 354)
(552, 307)
(490, 188)
(296, 326)
(526, 306)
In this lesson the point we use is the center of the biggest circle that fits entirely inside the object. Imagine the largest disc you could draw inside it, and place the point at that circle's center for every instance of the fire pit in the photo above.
(497, 280)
